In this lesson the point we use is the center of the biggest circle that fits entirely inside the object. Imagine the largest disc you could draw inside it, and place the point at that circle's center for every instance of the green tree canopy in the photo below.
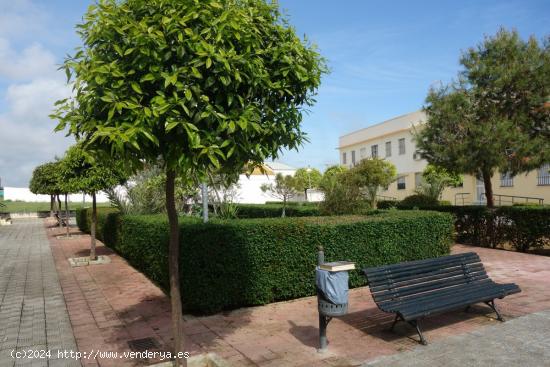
(371, 175)
(306, 179)
(45, 179)
(494, 116)
(81, 172)
(204, 85)
(435, 179)
(284, 188)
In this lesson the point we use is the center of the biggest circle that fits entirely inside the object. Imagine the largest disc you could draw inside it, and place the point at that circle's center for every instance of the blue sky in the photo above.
(383, 58)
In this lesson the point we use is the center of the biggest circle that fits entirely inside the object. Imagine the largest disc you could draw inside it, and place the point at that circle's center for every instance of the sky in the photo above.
(383, 57)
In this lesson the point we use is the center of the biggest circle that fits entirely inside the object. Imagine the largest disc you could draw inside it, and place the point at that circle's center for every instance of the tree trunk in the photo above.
(93, 229)
(52, 203)
(59, 209)
(67, 213)
(284, 208)
(173, 268)
(488, 189)
(305, 194)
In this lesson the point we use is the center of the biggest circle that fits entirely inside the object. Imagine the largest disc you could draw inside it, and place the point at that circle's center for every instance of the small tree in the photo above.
(307, 179)
(493, 117)
(82, 173)
(283, 189)
(204, 85)
(371, 175)
(45, 180)
(435, 179)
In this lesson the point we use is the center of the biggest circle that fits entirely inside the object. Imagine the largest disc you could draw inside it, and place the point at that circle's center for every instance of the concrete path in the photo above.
(519, 342)
(33, 317)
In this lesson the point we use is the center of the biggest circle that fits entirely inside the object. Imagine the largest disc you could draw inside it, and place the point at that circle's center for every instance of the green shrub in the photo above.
(386, 204)
(275, 210)
(235, 263)
(417, 201)
(523, 227)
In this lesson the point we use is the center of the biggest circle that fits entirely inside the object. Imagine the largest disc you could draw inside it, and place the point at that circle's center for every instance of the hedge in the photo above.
(523, 227)
(235, 263)
(275, 210)
(84, 221)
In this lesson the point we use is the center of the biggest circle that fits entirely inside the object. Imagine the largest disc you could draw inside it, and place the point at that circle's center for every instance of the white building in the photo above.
(393, 140)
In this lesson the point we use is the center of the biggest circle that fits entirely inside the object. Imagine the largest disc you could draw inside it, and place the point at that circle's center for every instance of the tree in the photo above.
(307, 179)
(371, 175)
(204, 85)
(45, 180)
(283, 189)
(81, 172)
(493, 117)
(435, 179)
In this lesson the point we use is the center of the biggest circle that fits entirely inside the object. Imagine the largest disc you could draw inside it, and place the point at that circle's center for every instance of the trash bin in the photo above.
(332, 295)
(332, 292)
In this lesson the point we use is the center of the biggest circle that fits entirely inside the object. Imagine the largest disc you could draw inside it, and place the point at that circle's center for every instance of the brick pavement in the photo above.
(112, 303)
(33, 316)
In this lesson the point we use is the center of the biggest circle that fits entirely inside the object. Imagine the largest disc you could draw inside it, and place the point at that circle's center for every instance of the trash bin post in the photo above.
(323, 320)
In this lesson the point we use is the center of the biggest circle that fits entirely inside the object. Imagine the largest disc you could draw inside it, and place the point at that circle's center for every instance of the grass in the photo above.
(29, 207)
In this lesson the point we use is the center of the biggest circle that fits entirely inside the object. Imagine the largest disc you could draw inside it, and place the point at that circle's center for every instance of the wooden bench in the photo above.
(417, 289)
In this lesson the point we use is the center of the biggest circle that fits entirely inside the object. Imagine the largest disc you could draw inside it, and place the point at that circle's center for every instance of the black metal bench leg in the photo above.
(397, 318)
(416, 324)
(494, 307)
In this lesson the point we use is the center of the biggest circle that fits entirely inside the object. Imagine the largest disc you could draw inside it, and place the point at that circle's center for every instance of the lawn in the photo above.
(28, 207)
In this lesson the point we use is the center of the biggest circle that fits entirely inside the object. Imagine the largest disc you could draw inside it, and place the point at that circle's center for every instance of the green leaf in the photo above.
(171, 125)
(136, 87)
(188, 94)
(208, 63)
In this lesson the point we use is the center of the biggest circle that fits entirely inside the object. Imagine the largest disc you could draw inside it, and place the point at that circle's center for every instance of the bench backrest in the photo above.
(400, 281)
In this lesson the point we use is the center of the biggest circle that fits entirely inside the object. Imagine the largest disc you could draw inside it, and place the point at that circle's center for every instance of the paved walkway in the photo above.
(516, 343)
(113, 303)
(33, 316)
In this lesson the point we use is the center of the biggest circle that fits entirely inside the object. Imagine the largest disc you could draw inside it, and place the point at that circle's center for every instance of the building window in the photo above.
(353, 157)
(543, 176)
(363, 153)
(374, 151)
(401, 146)
(344, 158)
(506, 180)
(418, 179)
(388, 149)
(401, 183)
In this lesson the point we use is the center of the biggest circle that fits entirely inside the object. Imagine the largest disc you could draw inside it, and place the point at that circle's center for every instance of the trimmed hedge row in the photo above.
(235, 263)
(275, 210)
(523, 227)
(84, 221)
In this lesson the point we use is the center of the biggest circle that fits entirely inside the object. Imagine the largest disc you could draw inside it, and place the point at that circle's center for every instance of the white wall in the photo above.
(24, 194)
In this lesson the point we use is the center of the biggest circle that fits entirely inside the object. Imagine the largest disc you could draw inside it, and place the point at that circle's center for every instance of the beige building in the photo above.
(393, 140)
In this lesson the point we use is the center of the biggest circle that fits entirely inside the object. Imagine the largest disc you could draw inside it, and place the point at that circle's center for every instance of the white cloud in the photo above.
(21, 19)
(31, 62)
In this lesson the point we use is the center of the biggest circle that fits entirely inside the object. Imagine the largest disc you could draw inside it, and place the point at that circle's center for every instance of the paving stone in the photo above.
(31, 299)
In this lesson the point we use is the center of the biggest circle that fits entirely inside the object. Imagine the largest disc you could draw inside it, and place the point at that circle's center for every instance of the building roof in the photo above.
(278, 166)
(393, 125)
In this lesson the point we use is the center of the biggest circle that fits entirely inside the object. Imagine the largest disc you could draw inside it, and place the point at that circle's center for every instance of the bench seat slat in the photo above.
(431, 299)
(432, 275)
(454, 303)
(402, 302)
(425, 287)
(397, 273)
(419, 264)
